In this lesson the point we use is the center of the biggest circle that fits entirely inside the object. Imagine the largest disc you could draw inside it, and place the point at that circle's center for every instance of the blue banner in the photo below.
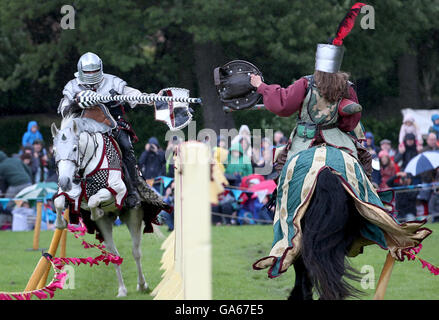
(4, 202)
(236, 193)
(166, 180)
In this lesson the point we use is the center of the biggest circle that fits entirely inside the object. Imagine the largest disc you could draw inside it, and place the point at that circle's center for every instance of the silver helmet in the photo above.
(329, 58)
(90, 69)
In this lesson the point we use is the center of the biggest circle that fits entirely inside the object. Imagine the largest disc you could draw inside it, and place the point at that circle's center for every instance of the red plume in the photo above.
(347, 23)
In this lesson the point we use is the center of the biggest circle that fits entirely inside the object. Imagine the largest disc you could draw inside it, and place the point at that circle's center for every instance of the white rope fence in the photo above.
(186, 260)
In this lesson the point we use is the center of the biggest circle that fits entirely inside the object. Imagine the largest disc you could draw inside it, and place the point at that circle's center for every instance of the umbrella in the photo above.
(423, 162)
(245, 180)
(260, 190)
(40, 190)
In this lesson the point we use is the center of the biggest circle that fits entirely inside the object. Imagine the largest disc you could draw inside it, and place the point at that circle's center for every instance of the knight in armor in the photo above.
(90, 76)
(326, 104)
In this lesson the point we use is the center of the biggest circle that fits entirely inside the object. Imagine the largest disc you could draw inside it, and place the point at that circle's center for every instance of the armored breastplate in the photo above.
(109, 83)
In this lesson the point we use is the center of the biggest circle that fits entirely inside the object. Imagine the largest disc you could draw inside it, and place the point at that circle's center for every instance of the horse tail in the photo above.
(329, 227)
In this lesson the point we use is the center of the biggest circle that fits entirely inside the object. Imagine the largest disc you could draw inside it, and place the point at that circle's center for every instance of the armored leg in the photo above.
(129, 160)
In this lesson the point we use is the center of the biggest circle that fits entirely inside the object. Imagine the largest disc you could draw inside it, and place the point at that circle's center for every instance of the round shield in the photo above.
(232, 82)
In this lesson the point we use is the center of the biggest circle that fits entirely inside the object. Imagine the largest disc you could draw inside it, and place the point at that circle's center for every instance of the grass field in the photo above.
(234, 251)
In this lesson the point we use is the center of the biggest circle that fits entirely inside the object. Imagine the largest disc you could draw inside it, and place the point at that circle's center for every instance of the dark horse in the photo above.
(328, 210)
(330, 226)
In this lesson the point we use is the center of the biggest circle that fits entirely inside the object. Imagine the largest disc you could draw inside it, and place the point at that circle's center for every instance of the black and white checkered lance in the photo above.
(89, 98)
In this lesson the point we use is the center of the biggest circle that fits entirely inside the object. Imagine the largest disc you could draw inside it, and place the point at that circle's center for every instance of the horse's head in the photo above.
(66, 149)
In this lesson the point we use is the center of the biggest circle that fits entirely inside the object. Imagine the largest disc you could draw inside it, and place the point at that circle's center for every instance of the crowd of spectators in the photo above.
(240, 159)
(389, 165)
(32, 163)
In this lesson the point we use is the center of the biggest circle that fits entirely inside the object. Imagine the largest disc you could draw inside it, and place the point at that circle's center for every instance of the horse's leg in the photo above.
(60, 222)
(95, 200)
(133, 220)
(105, 225)
(302, 288)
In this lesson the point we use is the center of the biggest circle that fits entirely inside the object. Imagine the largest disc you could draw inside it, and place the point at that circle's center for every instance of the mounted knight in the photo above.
(90, 76)
(326, 207)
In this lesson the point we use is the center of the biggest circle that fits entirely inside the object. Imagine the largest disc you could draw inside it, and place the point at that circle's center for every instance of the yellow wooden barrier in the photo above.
(37, 228)
(186, 260)
(39, 276)
(384, 277)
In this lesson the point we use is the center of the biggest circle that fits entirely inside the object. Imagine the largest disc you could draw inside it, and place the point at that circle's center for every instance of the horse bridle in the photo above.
(80, 159)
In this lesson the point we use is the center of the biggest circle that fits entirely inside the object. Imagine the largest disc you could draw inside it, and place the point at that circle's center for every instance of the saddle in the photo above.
(99, 113)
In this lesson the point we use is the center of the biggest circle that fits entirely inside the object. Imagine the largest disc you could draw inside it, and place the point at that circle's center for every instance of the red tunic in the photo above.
(286, 101)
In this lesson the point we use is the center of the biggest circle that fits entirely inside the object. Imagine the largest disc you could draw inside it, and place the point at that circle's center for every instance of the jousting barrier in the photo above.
(187, 261)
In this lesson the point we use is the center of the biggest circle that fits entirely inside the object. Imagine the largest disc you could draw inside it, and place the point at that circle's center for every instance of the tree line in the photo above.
(162, 43)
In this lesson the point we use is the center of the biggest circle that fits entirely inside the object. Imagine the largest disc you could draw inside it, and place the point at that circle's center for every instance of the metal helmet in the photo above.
(329, 58)
(90, 69)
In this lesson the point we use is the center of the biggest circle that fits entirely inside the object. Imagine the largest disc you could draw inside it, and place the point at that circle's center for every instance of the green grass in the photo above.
(234, 251)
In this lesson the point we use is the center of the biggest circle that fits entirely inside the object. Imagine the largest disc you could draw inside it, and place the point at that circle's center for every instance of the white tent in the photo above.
(422, 117)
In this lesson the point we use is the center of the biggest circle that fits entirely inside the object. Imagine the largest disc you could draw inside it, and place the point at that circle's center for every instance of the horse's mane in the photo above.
(85, 124)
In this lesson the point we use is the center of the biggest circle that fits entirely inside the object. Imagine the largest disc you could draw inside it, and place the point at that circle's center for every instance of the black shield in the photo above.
(232, 82)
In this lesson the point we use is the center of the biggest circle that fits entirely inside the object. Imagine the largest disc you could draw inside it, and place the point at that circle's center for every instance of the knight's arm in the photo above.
(131, 92)
(120, 87)
(350, 112)
(68, 105)
(284, 101)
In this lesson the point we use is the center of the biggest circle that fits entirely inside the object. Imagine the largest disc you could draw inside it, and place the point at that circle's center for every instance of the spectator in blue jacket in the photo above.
(31, 134)
(369, 144)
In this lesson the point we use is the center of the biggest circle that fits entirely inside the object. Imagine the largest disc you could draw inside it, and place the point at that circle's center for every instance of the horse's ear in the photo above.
(54, 130)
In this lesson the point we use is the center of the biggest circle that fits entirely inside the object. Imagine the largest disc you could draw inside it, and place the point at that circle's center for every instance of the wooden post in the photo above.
(196, 222)
(37, 227)
(43, 264)
(188, 270)
(63, 240)
(63, 249)
(384, 277)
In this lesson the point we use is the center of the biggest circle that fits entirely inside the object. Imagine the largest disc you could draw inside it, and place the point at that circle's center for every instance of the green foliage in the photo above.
(383, 129)
(150, 45)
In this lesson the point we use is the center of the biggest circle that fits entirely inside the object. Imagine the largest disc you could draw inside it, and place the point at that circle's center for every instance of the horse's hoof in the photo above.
(122, 293)
(143, 287)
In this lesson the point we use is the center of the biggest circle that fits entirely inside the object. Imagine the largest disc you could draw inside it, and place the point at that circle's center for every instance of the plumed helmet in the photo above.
(90, 69)
(330, 56)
